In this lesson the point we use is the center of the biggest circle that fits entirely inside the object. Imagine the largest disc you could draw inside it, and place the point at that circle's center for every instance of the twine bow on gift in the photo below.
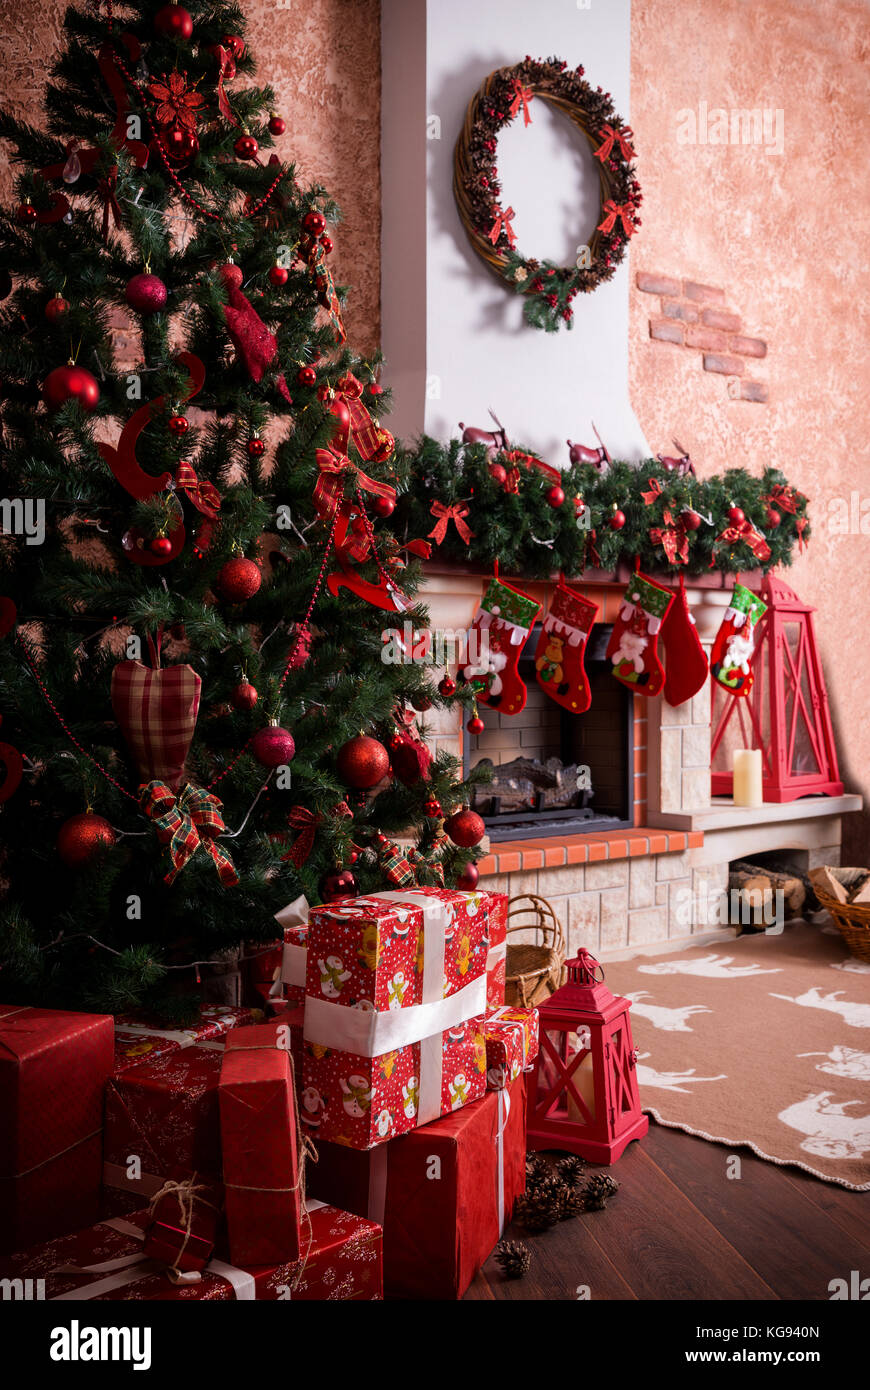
(187, 1193)
(521, 98)
(329, 491)
(445, 515)
(185, 823)
(613, 210)
(621, 137)
(503, 223)
(106, 189)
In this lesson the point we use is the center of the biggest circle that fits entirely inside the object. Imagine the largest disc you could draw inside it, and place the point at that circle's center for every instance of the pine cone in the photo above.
(545, 1184)
(571, 1169)
(535, 1213)
(571, 1202)
(536, 1167)
(597, 1191)
(513, 1258)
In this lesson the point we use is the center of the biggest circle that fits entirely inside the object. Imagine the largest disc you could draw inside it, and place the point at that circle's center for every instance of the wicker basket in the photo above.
(853, 919)
(533, 970)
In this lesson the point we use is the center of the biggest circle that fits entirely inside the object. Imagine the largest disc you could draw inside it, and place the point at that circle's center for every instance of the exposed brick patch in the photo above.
(692, 290)
(753, 391)
(749, 347)
(707, 339)
(657, 284)
(674, 310)
(718, 362)
(664, 331)
(719, 318)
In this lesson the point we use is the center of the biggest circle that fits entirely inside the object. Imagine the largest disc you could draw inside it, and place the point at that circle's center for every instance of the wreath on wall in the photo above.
(506, 94)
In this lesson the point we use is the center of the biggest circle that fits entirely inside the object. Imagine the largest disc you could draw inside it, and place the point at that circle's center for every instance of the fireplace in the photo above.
(536, 790)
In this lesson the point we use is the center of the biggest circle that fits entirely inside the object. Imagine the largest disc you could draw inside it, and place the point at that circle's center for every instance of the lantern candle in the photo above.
(747, 777)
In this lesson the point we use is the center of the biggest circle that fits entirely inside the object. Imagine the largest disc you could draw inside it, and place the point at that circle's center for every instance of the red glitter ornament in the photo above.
(146, 294)
(256, 448)
(432, 808)
(362, 762)
(498, 474)
(244, 696)
(82, 837)
(273, 746)
(239, 579)
(232, 275)
(70, 383)
(465, 828)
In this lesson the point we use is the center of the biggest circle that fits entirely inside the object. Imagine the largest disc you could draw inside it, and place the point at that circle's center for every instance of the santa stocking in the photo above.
(498, 634)
(632, 645)
(686, 659)
(561, 645)
(731, 657)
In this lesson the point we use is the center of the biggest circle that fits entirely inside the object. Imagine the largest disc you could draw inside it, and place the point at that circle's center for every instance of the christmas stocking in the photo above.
(686, 660)
(731, 657)
(559, 656)
(632, 645)
(498, 634)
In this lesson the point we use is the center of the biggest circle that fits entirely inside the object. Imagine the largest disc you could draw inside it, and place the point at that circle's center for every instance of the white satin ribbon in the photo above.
(294, 957)
(183, 1038)
(504, 1106)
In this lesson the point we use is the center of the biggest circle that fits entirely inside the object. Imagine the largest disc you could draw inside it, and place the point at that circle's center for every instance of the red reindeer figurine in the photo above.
(581, 453)
(682, 465)
(496, 441)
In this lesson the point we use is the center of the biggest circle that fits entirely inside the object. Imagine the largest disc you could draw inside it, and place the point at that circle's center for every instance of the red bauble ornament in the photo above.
(555, 495)
(383, 506)
(421, 703)
(232, 275)
(180, 144)
(691, 519)
(498, 474)
(432, 808)
(82, 837)
(70, 383)
(773, 517)
(465, 828)
(306, 376)
(736, 515)
(467, 881)
(277, 124)
(26, 212)
(246, 147)
(447, 686)
(475, 725)
(617, 521)
(327, 244)
(314, 222)
(178, 425)
(256, 447)
(341, 883)
(173, 22)
(235, 45)
(56, 308)
(279, 275)
(244, 696)
(146, 294)
(362, 762)
(160, 545)
(239, 579)
(273, 746)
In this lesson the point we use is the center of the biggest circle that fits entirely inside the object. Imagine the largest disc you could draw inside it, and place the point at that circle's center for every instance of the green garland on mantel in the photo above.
(532, 537)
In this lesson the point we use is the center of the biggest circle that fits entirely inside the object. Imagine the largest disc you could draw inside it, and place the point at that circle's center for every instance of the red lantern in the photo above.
(583, 1096)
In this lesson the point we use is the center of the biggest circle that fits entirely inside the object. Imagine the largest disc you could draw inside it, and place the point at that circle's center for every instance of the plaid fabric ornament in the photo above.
(396, 868)
(157, 712)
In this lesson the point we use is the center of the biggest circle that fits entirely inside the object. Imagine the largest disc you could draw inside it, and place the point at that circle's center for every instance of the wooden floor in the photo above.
(679, 1228)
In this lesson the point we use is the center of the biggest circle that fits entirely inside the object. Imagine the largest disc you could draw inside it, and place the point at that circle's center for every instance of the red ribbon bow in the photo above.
(306, 822)
(501, 224)
(654, 493)
(329, 491)
(203, 494)
(613, 210)
(227, 72)
(522, 96)
(445, 515)
(672, 537)
(106, 188)
(611, 134)
(370, 441)
(746, 532)
(186, 822)
(788, 499)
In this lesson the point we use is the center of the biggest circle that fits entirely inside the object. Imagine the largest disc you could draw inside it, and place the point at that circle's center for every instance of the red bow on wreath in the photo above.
(747, 533)
(654, 493)
(445, 515)
(501, 224)
(329, 491)
(613, 210)
(185, 823)
(611, 134)
(787, 499)
(516, 456)
(521, 98)
(672, 537)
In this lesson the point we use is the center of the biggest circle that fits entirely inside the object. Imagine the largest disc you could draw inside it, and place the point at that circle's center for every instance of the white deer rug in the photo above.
(764, 1041)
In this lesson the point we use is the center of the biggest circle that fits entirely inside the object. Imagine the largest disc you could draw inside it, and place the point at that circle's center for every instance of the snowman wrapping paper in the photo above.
(394, 1011)
(511, 1044)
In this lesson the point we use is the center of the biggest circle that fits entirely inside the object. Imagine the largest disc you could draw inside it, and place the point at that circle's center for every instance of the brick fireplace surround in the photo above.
(646, 886)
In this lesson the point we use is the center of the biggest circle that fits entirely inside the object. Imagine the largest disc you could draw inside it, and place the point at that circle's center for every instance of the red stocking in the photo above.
(632, 645)
(686, 660)
(500, 628)
(734, 647)
(561, 645)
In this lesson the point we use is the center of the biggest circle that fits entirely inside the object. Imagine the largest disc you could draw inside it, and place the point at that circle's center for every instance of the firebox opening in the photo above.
(556, 772)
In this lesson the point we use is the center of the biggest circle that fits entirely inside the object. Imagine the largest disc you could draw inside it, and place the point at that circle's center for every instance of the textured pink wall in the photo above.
(323, 59)
(786, 236)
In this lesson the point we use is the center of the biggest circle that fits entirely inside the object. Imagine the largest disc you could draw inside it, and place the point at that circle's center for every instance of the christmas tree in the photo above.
(198, 566)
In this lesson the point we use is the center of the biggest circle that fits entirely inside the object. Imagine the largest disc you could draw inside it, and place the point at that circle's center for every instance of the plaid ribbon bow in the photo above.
(329, 491)
(503, 223)
(747, 533)
(186, 822)
(372, 443)
(325, 285)
(203, 494)
(445, 515)
(611, 134)
(613, 210)
(672, 537)
(306, 822)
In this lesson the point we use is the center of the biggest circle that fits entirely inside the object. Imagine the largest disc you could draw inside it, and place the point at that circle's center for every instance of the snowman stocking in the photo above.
(731, 657)
(498, 634)
(561, 645)
(685, 657)
(632, 645)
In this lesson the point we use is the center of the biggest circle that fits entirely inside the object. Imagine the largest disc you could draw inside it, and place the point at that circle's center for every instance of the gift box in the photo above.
(54, 1066)
(496, 956)
(138, 1040)
(261, 1157)
(394, 1002)
(293, 920)
(443, 1193)
(183, 1225)
(341, 1261)
(511, 1044)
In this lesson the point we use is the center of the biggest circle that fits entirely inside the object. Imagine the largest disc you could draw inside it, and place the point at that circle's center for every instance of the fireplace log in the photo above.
(754, 880)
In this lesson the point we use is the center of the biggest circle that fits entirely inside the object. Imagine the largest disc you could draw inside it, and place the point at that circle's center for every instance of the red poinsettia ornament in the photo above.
(177, 101)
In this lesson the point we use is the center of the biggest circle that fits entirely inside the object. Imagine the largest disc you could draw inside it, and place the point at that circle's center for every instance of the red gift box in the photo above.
(184, 1221)
(341, 1261)
(496, 955)
(138, 1040)
(262, 1178)
(394, 1002)
(511, 1044)
(443, 1193)
(53, 1070)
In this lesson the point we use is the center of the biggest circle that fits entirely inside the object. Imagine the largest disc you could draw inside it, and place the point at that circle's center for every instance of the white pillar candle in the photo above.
(747, 777)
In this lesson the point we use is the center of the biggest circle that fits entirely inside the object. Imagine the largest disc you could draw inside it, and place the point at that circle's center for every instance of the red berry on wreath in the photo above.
(498, 474)
(341, 883)
(232, 275)
(277, 124)
(56, 308)
(375, 388)
(255, 446)
(273, 746)
(239, 579)
(70, 383)
(173, 22)
(246, 147)
(384, 506)
(178, 424)
(555, 496)
(146, 294)
(306, 376)
(447, 687)
(617, 521)
(467, 881)
(327, 243)
(475, 725)
(160, 545)
(432, 808)
(180, 144)
(773, 517)
(362, 762)
(244, 696)
(465, 828)
(736, 515)
(691, 519)
(83, 837)
(314, 222)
